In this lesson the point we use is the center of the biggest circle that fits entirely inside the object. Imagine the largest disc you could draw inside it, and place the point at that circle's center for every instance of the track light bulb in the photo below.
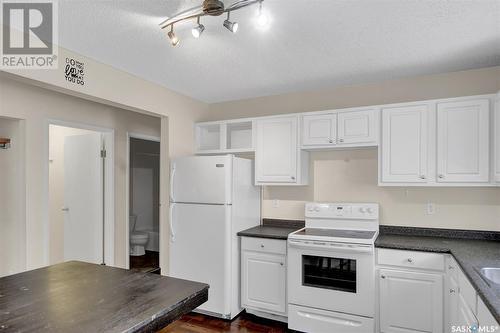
(231, 26)
(173, 38)
(262, 19)
(198, 30)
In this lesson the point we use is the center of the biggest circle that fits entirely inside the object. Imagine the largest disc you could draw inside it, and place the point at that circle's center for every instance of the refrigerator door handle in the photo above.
(172, 174)
(171, 221)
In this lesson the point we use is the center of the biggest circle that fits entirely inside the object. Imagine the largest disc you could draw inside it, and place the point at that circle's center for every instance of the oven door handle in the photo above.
(353, 248)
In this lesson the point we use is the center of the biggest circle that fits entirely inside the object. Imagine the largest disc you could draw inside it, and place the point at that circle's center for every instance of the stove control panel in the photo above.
(359, 211)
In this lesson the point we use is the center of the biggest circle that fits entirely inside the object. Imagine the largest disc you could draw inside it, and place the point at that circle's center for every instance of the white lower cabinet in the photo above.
(410, 301)
(263, 275)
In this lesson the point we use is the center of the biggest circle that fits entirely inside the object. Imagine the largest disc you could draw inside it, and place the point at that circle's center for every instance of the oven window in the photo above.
(329, 273)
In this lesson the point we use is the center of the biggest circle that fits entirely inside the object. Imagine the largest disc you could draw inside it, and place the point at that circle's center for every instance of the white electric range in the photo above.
(331, 266)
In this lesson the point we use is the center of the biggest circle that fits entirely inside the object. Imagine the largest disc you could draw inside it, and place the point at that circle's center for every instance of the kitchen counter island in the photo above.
(81, 297)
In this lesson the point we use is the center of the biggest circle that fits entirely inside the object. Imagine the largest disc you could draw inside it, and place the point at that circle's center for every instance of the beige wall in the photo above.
(103, 84)
(472, 82)
(12, 228)
(36, 106)
(351, 175)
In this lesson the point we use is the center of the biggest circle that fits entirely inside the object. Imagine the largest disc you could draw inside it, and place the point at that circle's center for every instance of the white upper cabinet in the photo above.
(463, 141)
(319, 130)
(357, 127)
(404, 144)
(352, 128)
(277, 156)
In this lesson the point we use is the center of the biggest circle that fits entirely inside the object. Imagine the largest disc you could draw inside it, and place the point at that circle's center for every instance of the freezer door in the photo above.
(200, 251)
(201, 179)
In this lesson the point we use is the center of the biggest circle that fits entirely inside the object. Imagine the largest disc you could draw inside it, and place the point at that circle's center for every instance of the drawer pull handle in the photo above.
(262, 245)
(382, 276)
(452, 291)
(422, 177)
(341, 140)
(410, 260)
(451, 267)
(281, 263)
(441, 176)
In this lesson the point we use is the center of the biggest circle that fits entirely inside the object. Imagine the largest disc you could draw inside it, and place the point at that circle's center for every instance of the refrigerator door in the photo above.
(200, 251)
(201, 179)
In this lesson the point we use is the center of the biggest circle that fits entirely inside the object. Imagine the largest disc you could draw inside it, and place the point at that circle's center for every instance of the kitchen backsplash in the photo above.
(351, 176)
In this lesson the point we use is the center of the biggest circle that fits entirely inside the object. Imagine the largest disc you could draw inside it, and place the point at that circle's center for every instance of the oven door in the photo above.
(336, 277)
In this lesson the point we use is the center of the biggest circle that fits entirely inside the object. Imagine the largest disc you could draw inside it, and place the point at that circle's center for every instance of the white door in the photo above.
(276, 150)
(357, 127)
(83, 198)
(319, 130)
(463, 141)
(263, 281)
(200, 250)
(404, 144)
(410, 302)
(201, 179)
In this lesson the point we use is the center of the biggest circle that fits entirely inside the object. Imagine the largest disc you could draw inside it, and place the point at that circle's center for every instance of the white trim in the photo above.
(127, 192)
(109, 195)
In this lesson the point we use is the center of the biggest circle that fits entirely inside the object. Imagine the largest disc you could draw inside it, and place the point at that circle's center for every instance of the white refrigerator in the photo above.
(212, 199)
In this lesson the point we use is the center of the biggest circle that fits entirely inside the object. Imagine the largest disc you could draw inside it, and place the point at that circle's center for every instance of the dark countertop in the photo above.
(81, 297)
(471, 255)
(274, 229)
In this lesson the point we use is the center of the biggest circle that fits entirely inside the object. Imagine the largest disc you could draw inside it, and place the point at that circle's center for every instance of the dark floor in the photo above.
(245, 323)
(148, 263)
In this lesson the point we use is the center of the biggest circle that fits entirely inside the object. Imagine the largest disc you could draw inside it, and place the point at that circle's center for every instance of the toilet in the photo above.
(138, 241)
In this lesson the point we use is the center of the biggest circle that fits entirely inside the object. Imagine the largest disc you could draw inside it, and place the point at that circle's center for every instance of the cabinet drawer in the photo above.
(410, 259)
(263, 245)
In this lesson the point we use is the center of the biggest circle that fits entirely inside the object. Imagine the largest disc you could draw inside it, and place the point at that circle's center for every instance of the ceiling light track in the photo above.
(211, 8)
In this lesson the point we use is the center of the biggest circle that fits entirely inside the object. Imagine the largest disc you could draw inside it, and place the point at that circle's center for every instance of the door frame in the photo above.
(108, 135)
(135, 135)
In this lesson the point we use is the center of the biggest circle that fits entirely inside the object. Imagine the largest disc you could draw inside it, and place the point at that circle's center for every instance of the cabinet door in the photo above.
(319, 130)
(276, 150)
(263, 281)
(404, 144)
(463, 141)
(410, 302)
(357, 127)
(464, 316)
(451, 310)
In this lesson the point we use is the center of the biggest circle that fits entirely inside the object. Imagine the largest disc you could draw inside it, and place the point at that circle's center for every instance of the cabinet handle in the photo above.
(262, 245)
(281, 263)
(293, 178)
(441, 176)
(422, 177)
(341, 140)
(382, 276)
(330, 141)
(451, 267)
(410, 260)
(452, 291)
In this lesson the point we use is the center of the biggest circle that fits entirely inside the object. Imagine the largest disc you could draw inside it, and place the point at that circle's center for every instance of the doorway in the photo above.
(80, 194)
(144, 204)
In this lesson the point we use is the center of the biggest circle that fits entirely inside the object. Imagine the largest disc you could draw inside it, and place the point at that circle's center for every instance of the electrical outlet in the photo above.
(276, 203)
(431, 209)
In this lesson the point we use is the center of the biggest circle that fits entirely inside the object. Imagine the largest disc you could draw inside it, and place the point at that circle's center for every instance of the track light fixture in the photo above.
(231, 26)
(173, 38)
(198, 30)
(213, 8)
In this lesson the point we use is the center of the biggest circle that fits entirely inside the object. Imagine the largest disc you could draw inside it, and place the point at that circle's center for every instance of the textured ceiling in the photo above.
(311, 44)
